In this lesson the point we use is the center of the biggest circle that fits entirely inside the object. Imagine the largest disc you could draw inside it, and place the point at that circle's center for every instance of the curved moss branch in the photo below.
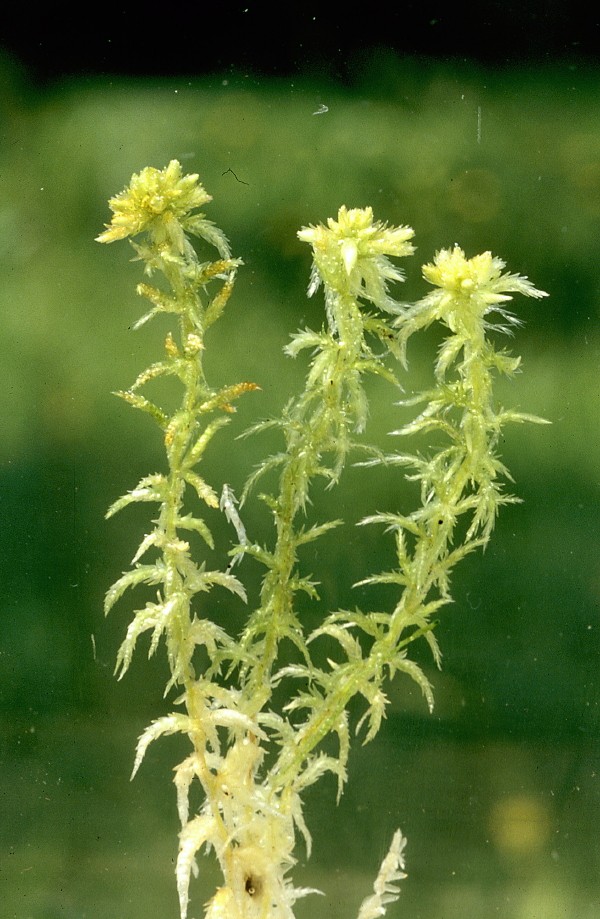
(161, 206)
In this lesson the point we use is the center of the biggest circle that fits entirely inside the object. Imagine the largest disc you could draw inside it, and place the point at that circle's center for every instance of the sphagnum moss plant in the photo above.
(252, 759)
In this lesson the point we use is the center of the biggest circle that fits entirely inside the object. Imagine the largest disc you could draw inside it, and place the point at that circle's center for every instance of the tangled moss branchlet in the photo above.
(254, 759)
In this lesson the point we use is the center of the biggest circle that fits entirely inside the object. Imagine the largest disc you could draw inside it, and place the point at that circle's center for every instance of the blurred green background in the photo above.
(497, 791)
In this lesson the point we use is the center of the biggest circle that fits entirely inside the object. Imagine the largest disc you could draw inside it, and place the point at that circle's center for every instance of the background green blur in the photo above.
(498, 791)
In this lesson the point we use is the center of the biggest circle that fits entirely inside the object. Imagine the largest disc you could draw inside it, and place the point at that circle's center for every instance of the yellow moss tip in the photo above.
(154, 198)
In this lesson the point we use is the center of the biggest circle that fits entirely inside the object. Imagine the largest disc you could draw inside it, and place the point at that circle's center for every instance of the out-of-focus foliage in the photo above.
(507, 162)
